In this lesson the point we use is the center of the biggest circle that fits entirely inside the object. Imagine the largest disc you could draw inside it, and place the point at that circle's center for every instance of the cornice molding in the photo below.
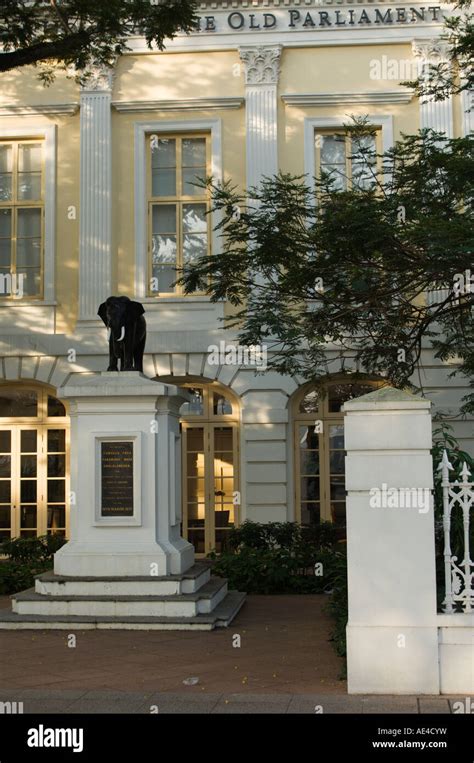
(185, 104)
(13, 110)
(261, 64)
(330, 99)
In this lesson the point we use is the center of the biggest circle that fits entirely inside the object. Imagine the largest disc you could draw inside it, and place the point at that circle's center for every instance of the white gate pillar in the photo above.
(392, 642)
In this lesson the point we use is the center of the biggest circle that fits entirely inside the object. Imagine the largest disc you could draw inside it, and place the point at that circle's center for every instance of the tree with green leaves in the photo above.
(54, 34)
(453, 72)
(348, 262)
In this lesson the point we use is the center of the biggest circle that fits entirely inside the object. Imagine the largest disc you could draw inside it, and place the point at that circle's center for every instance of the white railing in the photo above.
(459, 575)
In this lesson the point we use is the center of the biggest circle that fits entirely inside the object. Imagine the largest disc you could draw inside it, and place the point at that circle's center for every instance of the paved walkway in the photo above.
(285, 664)
(76, 701)
(284, 647)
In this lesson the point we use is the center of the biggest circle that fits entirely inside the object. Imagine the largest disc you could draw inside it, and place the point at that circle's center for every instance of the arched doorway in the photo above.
(210, 442)
(320, 491)
(34, 470)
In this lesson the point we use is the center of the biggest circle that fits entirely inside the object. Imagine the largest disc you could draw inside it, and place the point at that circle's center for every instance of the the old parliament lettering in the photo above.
(296, 19)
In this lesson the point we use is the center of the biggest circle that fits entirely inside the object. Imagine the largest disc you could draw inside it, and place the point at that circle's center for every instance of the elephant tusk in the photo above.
(108, 332)
(122, 335)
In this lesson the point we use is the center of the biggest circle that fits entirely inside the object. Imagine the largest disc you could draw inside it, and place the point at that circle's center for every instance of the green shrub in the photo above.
(279, 557)
(281, 535)
(338, 606)
(35, 550)
(27, 557)
(16, 576)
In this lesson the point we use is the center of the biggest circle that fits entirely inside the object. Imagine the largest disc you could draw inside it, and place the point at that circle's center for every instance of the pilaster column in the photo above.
(262, 69)
(467, 105)
(435, 114)
(95, 228)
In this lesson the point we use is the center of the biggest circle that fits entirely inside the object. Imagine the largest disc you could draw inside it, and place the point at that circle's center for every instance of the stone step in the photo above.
(221, 617)
(50, 584)
(182, 605)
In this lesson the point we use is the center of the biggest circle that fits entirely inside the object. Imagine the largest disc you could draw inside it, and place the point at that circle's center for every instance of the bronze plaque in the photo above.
(117, 479)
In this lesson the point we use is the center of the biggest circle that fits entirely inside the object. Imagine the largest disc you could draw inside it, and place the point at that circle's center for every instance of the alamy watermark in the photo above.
(224, 354)
(43, 736)
(11, 708)
(400, 498)
(12, 283)
(463, 283)
(404, 69)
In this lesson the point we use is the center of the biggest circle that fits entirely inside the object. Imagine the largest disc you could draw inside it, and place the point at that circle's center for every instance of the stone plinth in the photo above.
(141, 535)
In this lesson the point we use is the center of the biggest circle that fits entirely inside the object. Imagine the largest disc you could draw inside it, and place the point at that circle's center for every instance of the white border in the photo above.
(49, 134)
(136, 519)
(141, 129)
(313, 123)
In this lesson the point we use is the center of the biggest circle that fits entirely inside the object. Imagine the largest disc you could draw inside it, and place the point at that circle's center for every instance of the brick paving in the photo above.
(285, 664)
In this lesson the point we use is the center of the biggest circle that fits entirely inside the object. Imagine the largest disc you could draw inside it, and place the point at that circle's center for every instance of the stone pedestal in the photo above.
(124, 427)
(126, 565)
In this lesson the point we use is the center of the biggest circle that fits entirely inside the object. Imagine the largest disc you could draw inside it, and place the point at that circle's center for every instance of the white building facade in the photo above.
(89, 208)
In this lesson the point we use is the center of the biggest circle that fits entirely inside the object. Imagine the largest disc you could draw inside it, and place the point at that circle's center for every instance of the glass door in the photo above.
(210, 441)
(222, 504)
(6, 499)
(33, 477)
(209, 477)
(27, 483)
(195, 488)
(320, 490)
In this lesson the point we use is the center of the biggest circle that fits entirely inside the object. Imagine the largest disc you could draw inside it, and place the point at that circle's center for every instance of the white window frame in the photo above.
(312, 124)
(49, 135)
(142, 129)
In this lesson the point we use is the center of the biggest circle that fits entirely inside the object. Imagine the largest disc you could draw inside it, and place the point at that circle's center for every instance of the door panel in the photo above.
(6, 517)
(209, 479)
(194, 487)
(33, 481)
(223, 448)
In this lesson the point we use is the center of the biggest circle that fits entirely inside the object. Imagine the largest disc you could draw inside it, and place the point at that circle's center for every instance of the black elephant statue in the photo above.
(127, 333)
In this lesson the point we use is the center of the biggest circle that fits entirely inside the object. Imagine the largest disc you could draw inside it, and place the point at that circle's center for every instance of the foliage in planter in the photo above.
(278, 557)
(27, 557)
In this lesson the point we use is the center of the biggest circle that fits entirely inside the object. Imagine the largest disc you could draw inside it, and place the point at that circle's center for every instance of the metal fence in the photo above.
(458, 496)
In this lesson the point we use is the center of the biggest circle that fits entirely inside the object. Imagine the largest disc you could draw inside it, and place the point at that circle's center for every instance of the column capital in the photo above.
(433, 50)
(261, 64)
(98, 78)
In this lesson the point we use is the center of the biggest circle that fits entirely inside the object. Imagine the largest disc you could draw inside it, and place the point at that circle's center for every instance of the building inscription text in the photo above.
(302, 19)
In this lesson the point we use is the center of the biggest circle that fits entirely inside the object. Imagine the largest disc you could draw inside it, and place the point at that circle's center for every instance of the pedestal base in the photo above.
(190, 601)
(83, 559)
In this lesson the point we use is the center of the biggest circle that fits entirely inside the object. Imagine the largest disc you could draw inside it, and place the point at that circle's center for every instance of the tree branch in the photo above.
(60, 16)
(62, 48)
